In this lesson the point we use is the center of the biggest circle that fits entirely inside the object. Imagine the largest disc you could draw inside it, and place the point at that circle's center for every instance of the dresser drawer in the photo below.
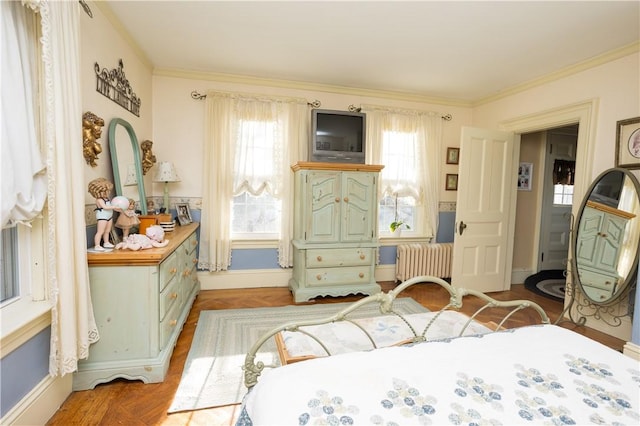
(168, 270)
(168, 297)
(339, 257)
(597, 294)
(169, 324)
(338, 276)
(191, 244)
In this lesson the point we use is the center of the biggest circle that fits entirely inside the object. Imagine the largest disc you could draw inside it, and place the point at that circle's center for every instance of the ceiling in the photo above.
(452, 50)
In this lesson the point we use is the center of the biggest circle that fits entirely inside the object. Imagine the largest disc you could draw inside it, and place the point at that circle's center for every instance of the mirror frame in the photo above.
(136, 159)
(629, 280)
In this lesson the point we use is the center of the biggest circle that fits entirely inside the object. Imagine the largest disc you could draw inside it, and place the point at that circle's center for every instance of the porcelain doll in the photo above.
(100, 189)
(154, 238)
(127, 219)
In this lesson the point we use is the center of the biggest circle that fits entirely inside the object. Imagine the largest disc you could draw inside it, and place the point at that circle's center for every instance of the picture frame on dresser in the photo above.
(184, 214)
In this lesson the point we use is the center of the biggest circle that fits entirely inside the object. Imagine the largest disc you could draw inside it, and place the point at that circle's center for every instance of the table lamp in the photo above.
(166, 172)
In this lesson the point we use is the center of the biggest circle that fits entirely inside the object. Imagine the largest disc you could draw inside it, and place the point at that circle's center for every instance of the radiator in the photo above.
(413, 260)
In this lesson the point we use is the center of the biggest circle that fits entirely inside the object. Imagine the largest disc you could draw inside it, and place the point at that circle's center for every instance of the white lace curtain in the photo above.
(24, 181)
(251, 143)
(408, 143)
(73, 326)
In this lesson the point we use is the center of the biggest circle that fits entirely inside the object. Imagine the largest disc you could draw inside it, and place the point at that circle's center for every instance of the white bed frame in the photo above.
(253, 369)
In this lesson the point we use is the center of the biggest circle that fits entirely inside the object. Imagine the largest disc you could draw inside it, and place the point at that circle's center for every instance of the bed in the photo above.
(537, 374)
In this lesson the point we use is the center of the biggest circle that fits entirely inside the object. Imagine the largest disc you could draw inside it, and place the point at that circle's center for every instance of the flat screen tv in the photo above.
(337, 136)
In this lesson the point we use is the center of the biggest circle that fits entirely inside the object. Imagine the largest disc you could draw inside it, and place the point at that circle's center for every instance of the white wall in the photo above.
(178, 122)
(615, 87)
(101, 42)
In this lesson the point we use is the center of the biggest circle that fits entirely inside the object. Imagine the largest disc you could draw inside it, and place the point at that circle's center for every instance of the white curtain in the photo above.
(251, 142)
(73, 326)
(408, 143)
(24, 181)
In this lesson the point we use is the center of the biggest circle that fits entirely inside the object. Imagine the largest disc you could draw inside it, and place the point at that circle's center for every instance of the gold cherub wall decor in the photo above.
(91, 132)
(148, 159)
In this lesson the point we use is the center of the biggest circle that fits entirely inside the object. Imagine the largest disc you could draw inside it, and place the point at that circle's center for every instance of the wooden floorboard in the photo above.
(132, 403)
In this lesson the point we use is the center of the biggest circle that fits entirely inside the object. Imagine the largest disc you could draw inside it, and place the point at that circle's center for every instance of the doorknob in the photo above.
(462, 227)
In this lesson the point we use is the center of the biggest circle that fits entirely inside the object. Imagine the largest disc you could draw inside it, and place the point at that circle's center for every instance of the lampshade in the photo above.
(131, 178)
(166, 172)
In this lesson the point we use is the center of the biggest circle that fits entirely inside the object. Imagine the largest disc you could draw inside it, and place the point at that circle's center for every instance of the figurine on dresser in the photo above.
(128, 218)
(154, 238)
(100, 189)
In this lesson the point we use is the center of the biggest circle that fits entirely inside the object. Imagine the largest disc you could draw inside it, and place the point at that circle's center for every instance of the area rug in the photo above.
(213, 375)
(550, 283)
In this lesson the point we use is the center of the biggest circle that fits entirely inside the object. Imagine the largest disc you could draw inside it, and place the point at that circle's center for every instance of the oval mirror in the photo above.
(125, 160)
(606, 238)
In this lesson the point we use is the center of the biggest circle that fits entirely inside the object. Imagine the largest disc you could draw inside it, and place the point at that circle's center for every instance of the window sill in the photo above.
(20, 321)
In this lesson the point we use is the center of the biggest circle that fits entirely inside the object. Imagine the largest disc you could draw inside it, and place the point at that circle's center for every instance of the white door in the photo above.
(555, 224)
(483, 242)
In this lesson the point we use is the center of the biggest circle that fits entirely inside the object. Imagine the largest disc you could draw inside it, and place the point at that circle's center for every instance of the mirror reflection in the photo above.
(607, 235)
(125, 161)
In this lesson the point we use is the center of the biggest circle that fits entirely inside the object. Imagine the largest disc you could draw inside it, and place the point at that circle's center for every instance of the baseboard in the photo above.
(519, 275)
(39, 405)
(256, 278)
(632, 350)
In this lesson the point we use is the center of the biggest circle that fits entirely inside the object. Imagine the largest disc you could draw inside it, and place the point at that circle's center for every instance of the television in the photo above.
(337, 136)
(608, 189)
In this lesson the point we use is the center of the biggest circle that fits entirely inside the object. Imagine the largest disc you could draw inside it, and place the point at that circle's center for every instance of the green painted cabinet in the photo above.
(335, 230)
(140, 301)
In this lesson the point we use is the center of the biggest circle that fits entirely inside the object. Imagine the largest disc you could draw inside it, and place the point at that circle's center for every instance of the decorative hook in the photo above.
(315, 104)
(353, 108)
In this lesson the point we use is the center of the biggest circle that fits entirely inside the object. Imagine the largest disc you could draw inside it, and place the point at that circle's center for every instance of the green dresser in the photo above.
(140, 300)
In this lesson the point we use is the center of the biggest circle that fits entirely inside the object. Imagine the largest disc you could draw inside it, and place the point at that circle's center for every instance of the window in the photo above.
(255, 212)
(9, 265)
(562, 194)
(399, 153)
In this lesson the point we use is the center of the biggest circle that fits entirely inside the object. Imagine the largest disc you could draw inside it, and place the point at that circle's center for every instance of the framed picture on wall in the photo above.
(628, 143)
(453, 155)
(451, 183)
(525, 172)
(184, 214)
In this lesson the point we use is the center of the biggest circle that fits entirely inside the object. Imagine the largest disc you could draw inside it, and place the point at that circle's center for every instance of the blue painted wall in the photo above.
(23, 369)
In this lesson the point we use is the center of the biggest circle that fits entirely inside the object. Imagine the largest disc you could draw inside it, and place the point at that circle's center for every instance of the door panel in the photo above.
(483, 243)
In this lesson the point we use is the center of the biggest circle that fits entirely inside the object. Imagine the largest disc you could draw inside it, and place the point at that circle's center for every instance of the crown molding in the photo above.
(610, 56)
(299, 85)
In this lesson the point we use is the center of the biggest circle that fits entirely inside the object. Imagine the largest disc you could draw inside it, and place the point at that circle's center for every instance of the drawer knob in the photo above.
(173, 323)
(318, 277)
(174, 295)
(361, 275)
(362, 256)
(346, 199)
(319, 258)
(194, 261)
(173, 270)
(337, 199)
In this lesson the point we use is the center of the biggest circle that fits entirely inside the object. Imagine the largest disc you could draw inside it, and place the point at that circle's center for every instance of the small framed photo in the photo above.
(628, 143)
(451, 183)
(525, 171)
(453, 155)
(184, 214)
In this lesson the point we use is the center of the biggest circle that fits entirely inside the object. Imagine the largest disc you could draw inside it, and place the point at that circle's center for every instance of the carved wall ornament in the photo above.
(148, 158)
(91, 132)
(114, 85)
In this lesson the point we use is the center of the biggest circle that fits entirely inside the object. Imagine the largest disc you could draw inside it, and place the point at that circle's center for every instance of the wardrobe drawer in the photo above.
(339, 257)
(338, 276)
(593, 279)
(168, 270)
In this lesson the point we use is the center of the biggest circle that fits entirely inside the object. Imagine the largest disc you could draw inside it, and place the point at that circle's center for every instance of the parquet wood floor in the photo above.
(132, 403)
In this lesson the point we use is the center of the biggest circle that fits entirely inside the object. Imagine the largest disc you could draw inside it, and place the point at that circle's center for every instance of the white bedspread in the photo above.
(388, 330)
(531, 375)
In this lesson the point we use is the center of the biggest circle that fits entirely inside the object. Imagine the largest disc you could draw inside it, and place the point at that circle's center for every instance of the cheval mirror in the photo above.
(125, 161)
(607, 235)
